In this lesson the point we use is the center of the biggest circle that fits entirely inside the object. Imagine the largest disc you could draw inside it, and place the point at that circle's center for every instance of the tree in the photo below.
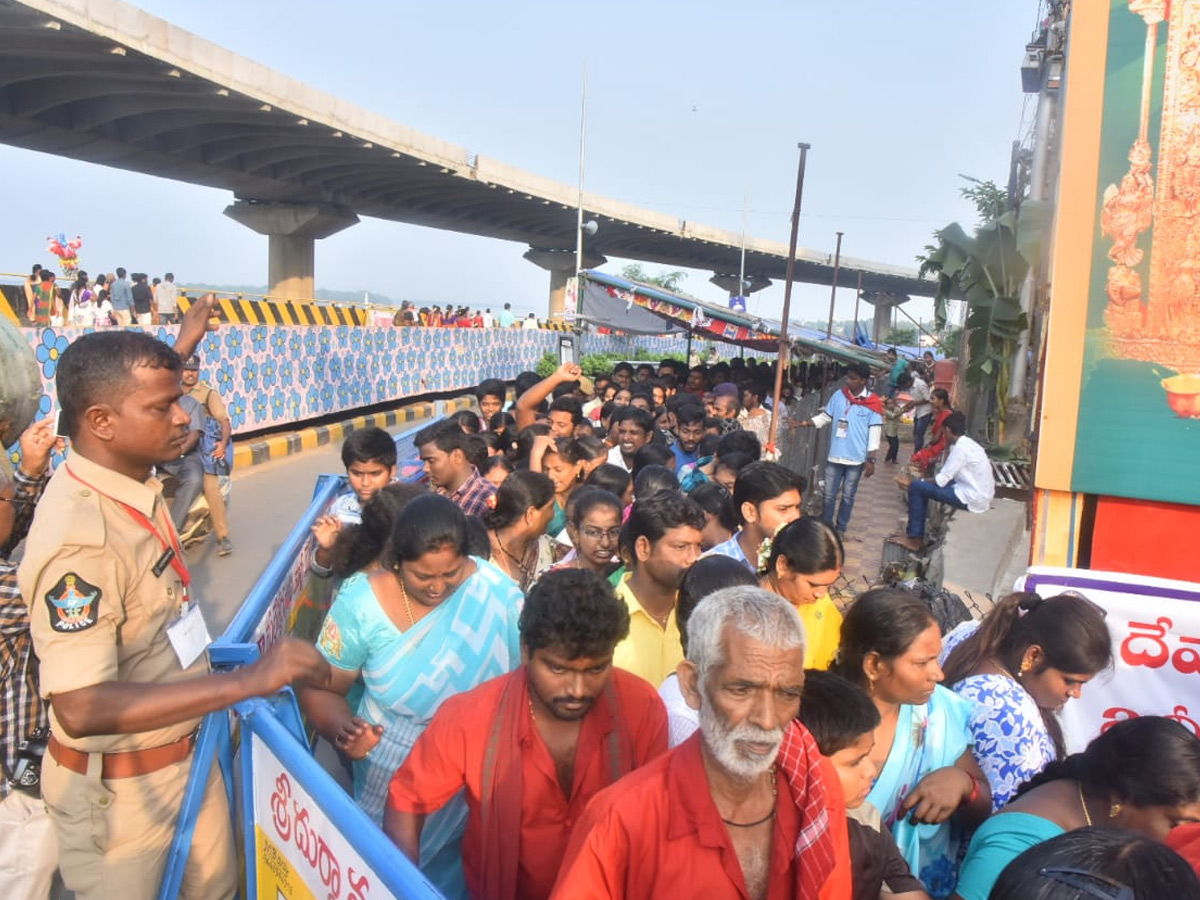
(986, 270)
(904, 336)
(990, 200)
(668, 281)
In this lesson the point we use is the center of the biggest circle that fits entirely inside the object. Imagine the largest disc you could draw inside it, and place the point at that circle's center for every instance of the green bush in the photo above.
(594, 364)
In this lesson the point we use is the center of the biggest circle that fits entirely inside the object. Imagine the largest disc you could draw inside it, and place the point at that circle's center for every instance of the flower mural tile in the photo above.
(274, 376)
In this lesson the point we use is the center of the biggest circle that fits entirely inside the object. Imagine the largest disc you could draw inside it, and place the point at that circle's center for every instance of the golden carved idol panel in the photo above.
(1157, 213)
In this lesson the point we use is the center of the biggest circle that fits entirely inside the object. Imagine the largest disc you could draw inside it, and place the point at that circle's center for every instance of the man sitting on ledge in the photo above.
(964, 482)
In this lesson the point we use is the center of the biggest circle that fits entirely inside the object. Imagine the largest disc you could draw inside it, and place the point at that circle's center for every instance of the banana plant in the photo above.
(987, 270)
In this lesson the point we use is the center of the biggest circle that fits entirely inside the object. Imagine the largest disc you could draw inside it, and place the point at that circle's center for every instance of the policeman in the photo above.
(120, 639)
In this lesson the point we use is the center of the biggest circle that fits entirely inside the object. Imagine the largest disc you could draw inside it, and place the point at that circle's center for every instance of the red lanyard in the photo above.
(171, 545)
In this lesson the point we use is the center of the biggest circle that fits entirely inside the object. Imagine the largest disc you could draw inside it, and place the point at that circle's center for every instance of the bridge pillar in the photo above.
(884, 303)
(292, 229)
(729, 284)
(561, 266)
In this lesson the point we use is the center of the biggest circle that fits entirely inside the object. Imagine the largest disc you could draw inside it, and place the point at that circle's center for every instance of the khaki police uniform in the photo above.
(99, 613)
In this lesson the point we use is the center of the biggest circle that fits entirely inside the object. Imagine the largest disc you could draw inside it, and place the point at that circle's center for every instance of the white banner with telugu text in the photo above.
(1155, 626)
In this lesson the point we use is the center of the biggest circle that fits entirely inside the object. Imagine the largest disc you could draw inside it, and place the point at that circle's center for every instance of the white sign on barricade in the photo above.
(1155, 626)
(293, 595)
(301, 855)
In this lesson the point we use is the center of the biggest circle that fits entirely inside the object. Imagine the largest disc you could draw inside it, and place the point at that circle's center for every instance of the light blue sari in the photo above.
(469, 638)
(928, 738)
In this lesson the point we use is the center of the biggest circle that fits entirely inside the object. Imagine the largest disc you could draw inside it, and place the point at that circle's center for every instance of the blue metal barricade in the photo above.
(321, 844)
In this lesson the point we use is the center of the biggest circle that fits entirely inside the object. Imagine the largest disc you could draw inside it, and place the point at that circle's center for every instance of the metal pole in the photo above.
(1046, 114)
(579, 202)
(857, 298)
(837, 262)
(742, 264)
(787, 294)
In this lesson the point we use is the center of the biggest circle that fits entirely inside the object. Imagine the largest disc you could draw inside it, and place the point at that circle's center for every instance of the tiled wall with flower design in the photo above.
(273, 375)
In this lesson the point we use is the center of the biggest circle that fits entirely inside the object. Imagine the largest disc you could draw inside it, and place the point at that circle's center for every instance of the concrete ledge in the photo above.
(983, 553)
(277, 446)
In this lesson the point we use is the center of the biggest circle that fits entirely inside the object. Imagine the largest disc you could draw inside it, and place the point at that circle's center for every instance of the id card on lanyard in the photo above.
(188, 634)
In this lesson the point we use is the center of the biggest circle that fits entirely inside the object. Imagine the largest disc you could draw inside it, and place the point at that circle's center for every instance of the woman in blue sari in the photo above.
(929, 785)
(431, 623)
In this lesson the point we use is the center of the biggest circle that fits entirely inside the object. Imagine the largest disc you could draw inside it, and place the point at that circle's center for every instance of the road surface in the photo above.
(266, 502)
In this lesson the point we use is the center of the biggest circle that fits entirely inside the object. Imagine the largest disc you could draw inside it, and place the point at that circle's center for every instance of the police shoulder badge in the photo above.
(73, 603)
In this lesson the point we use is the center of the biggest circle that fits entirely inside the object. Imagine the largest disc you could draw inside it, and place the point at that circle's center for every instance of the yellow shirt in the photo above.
(823, 627)
(650, 651)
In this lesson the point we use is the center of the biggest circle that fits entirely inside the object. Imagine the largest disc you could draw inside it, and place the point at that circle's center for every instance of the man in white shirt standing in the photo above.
(922, 409)
(166, 296)
(964, 482)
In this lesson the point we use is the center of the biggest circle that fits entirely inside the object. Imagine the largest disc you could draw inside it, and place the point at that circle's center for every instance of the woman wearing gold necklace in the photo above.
(516, 525)
(928, 787)
(1142, 775)
(430, 622)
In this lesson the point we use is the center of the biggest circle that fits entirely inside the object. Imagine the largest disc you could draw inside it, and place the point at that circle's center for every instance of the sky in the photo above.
(693, 109)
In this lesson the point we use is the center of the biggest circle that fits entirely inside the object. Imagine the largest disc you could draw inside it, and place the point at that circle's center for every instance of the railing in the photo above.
(803, 450)
(295, 821)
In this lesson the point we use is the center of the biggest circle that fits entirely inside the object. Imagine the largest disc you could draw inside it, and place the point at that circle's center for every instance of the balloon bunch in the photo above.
(68, 259)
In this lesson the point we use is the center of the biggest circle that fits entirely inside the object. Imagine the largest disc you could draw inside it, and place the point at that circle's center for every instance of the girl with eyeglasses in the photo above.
(594, 527)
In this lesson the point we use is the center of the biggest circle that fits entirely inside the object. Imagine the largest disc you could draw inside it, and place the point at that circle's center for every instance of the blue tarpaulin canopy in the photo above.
(613, 302)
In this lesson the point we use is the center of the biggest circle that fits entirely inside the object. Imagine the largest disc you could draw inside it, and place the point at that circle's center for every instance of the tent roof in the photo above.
(611, 301)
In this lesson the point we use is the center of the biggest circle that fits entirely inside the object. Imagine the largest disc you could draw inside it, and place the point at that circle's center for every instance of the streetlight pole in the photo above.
(579, 202)
(837, 262)
(742, 265)
(787, 294)
(857, 298)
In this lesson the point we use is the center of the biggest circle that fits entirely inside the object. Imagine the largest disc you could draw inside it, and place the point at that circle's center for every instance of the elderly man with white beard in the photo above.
(745, 809)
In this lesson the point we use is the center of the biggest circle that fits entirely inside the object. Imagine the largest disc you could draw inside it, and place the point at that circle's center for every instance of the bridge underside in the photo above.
(138, 101)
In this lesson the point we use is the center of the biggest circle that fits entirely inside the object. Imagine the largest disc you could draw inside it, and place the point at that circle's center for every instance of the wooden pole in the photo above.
(787, 296)
(857, 298)
(837, 264)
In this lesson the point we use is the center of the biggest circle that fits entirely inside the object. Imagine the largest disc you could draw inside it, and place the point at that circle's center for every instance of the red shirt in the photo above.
(657, 833)
(1185, 840)
(449, 756)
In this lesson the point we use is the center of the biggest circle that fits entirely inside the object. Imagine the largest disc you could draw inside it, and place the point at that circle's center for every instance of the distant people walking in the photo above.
(29, 295)
(120, 294)
(44, 298)
(166, 301)
(506, 317)
(143, 299)
(921, 409)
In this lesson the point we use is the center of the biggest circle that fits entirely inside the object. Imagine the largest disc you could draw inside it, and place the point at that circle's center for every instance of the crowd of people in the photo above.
(121, 298)
(451, 316)
(114, 299)
(608, 598)
(595, 655)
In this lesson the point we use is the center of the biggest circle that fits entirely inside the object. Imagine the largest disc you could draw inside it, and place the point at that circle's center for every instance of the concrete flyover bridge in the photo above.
(105, 82)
